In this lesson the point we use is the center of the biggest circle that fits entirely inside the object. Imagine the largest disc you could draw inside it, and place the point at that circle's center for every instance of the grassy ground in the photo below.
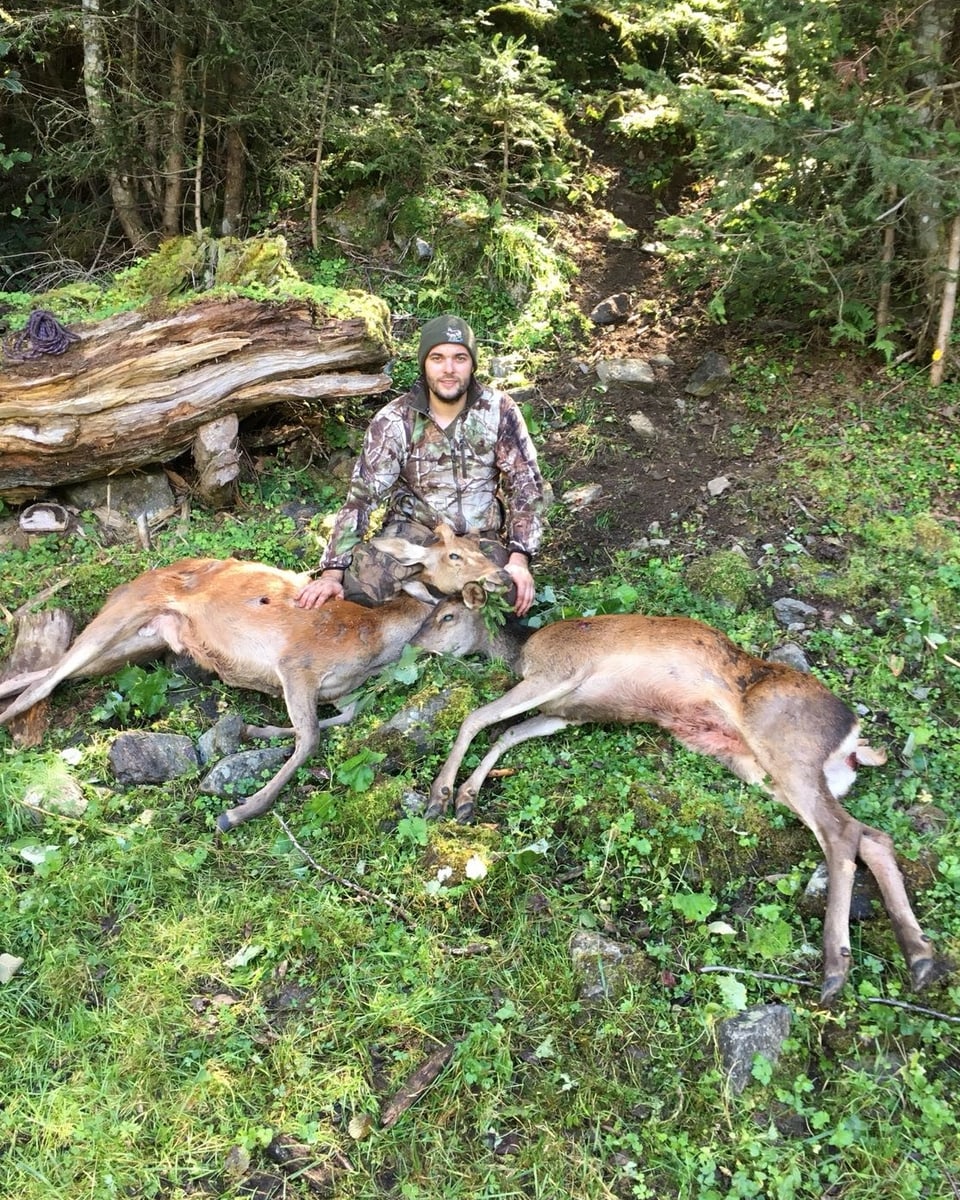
(188, 1006)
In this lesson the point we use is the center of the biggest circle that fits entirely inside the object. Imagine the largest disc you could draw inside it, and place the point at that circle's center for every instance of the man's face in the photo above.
(447, 370)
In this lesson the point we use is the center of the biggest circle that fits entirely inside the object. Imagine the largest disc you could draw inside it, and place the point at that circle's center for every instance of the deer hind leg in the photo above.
(262, 733)
(109, 642)
(876, 851)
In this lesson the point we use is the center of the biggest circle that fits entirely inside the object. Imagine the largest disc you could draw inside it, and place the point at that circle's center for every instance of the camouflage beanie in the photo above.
(443, 330)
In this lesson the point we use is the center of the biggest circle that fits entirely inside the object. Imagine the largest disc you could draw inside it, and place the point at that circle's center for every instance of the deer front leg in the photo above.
(300, 696)
(527, 694)
(532, 727)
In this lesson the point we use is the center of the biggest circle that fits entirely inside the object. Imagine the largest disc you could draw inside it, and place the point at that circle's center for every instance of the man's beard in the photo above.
(449, 397)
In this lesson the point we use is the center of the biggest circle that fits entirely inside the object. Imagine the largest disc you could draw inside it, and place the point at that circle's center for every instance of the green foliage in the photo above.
(139, 693)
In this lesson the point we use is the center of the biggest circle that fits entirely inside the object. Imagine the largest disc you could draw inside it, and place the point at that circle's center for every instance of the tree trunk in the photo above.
(138, 387)
(122, 192)
(174, 167)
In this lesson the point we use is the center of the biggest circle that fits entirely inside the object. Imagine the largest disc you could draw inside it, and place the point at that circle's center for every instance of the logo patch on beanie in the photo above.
(454, 333)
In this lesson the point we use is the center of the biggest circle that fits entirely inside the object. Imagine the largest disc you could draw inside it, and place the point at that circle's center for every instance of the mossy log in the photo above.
(136, 388)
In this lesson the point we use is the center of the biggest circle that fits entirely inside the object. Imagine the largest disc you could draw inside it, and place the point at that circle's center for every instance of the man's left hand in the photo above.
(519, 571)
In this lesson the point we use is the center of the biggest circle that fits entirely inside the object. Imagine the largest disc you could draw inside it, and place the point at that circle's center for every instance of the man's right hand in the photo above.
(328, 586)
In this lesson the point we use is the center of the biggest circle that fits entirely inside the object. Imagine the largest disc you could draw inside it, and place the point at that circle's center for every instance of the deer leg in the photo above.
(527, 694)
(877, 852)
(18, 683)
(264, 732)
(300, 690)
(532, 727)
(798, 781)
(107, 644)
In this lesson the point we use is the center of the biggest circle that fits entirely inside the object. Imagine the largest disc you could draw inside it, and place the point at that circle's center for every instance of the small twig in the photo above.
(806, 511)
(467, 951)
(917, 1008)
(759, 975)
(347, 883)
(44, 594)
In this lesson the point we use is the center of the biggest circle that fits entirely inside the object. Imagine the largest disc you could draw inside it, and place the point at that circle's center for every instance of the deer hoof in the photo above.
(922, 972)
(224, 824)
(438, 805)
(832, 987)
(465, 810)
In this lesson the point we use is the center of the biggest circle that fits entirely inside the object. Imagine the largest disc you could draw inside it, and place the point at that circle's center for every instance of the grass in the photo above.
(184, 1001)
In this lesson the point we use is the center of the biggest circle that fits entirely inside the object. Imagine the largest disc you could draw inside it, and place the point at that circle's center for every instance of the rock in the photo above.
(56, 794)
(9, 966)
(718, 485)
(626, 370)
(791, 654)
(710, 375)
(245, 767)
(793, 613)
(146, 494)
(583, 496)
(224, 738)
(759, 1030)
(604, 966)
(612, 311)
(640, 423)
(141, 757)
(866, 895)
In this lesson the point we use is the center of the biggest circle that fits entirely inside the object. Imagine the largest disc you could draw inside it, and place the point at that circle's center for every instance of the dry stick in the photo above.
(45, 594)
(942, 343)
(886, 258)
(917, 1008)
(347, 883)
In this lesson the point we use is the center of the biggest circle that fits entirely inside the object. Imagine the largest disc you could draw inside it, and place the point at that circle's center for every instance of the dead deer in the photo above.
(239, 620)
(769, 723)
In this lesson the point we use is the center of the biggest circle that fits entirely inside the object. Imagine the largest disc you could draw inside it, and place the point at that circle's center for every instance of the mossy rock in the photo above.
(725, 577)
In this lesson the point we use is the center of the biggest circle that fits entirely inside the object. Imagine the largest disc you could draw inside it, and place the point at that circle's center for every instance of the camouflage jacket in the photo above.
(479, 473)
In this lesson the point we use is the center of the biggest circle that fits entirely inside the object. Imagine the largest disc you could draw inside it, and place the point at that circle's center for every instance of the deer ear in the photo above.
(406, 553)
(870, 756)
(474, 595)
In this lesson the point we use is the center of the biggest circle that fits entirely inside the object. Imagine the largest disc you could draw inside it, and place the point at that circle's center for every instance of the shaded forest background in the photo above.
(801, 161)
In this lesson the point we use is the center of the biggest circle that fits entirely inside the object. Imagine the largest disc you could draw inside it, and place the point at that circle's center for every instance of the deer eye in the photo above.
(454, 556)
(446, 618)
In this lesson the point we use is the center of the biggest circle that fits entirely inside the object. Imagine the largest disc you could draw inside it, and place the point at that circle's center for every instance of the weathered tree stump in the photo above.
(42, 640)
(140, 387)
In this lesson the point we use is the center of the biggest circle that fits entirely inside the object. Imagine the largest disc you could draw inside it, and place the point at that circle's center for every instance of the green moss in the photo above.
(725, 576)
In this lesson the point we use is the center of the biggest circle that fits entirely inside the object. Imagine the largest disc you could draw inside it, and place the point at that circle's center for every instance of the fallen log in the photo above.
(139, 387)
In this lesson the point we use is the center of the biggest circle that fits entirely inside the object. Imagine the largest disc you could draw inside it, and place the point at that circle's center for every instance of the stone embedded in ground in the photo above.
(712, 372)
(759, 1030)
(626, 370)
(612, 310)
(140, 757)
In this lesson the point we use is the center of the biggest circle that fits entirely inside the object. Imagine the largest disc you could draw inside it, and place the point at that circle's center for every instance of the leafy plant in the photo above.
(139, 693)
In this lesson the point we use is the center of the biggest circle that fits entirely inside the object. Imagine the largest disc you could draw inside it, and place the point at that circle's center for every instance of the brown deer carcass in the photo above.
(768, 723)
(240, 620)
